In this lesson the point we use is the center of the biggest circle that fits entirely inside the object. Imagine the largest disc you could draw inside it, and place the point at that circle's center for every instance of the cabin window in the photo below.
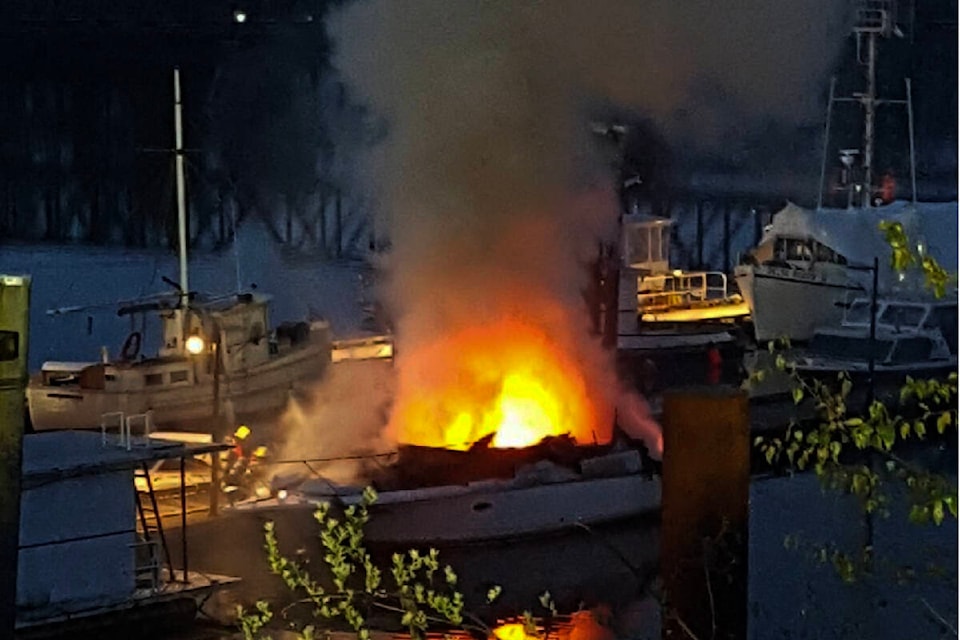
(849, 347)
(859, 312)
(9, 346)
(655, 244)
(109, 377)
(911, 350)
(792, 249)
(641, 250)
(178, 376)
(153, 379)
(901, 316)
(943, 318)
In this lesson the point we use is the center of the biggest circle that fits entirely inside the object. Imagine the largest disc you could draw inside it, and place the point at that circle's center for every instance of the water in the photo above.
(73, 275)
(790, 595)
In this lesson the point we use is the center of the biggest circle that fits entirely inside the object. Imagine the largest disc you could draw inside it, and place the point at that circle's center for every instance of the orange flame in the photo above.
(508, 379)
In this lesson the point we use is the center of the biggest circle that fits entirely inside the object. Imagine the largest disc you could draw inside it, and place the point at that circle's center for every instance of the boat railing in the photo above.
(680, 288)
(118, 428)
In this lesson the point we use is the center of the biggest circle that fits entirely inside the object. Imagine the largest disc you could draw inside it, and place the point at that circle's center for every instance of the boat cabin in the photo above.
(909, 316)
(799, 252)
(646, 244)
(887, 350)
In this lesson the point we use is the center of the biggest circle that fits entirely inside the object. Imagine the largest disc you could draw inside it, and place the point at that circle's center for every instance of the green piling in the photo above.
(14, 318)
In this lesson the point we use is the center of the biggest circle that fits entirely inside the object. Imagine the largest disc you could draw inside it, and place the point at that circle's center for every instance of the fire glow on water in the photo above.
(507, 379)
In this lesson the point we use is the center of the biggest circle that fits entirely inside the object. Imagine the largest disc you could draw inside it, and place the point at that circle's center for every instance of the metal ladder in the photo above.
(151, 526)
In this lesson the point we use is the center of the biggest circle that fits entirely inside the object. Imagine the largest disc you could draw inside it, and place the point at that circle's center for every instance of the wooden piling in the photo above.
(703, 548)
(14, 315)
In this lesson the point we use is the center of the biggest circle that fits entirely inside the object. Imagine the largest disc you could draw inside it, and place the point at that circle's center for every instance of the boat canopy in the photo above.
(855, 233)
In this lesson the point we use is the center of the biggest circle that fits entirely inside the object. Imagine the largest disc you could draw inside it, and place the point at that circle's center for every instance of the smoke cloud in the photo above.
(490, 181)
(342, 419)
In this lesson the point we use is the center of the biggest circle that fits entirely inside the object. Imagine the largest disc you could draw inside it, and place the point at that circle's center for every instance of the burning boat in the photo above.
(538, 498)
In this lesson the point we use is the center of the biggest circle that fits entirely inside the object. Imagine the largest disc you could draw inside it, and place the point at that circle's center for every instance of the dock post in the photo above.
(14, 322)
(703, 542)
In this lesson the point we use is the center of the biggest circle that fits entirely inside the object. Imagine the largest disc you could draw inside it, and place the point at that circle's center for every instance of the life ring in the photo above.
(131, 346)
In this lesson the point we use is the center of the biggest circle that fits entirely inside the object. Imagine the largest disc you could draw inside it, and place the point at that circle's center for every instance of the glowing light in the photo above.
(282, 495)
(195, 345)
(239, 16)
(512, 631)
(507, 380)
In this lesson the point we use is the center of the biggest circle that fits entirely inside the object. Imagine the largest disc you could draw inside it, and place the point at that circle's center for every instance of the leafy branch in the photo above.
(416, 586)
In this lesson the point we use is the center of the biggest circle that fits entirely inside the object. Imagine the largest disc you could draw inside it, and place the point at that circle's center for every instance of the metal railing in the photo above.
(680, 289)
(124, 426)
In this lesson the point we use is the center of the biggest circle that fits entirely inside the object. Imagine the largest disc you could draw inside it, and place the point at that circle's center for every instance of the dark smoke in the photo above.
(489, 178)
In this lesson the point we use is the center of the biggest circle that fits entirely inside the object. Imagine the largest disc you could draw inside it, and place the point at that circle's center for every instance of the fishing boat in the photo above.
(219, 359)
(809, 262)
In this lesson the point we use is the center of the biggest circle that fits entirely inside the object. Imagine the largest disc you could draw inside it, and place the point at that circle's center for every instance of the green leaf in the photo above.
(943, 422)
(797, 395)
(493, 593)
(905, 430)
(834, 450)
(937, 512)
(951, 502)
(845, 387)
(919, 514)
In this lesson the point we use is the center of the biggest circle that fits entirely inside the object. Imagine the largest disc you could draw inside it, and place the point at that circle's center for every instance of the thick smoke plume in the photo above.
(493, 192)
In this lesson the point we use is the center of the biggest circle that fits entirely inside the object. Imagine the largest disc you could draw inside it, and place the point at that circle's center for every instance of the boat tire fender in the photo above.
(131, 346)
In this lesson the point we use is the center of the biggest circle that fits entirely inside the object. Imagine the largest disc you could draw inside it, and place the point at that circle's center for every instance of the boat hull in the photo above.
(514, 513)
(792, 303)
(490, 511)
(257, 391)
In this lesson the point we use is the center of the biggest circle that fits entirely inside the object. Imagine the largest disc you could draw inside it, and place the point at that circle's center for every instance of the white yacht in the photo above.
(810, 262)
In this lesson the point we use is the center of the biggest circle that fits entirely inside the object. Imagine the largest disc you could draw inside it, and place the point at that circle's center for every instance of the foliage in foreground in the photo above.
(418, 589)
(856, 451)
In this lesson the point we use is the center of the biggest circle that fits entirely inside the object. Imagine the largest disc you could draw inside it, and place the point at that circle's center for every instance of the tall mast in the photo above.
(181, 204)
(874, 18)
(870, 109)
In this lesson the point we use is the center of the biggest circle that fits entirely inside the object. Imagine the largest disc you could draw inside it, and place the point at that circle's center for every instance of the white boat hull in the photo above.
(792, 303)
(494, 510)
(515, 512)
(258, 390)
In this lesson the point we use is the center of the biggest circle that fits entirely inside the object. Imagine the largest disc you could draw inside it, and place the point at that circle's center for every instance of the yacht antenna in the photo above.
(181, 205)
(236, 247)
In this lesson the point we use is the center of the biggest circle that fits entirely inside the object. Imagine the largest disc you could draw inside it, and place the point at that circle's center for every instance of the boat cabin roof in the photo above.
(61, 366)
(855, 233)
(54, 455)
